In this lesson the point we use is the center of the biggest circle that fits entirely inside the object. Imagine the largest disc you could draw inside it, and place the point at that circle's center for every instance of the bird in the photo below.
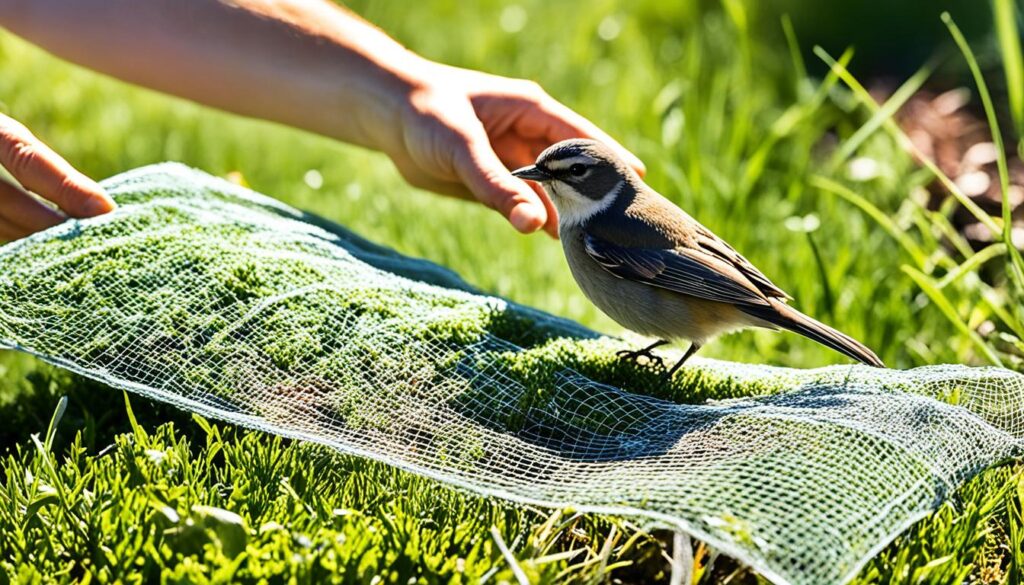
(653, 268)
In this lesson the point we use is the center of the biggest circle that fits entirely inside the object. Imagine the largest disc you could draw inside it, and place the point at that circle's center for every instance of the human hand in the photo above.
(462, 131)
(41, 171)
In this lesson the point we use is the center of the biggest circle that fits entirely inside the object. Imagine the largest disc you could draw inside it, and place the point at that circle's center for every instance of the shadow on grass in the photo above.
(94, 409)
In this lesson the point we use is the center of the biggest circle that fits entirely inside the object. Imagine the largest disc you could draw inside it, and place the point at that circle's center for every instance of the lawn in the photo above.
(730, 127)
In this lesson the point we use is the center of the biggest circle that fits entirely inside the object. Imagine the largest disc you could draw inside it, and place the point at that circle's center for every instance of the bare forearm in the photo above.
(309, 64)
(303, 63)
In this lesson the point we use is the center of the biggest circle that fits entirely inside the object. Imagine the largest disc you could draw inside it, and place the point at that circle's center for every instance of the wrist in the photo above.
(374, 78)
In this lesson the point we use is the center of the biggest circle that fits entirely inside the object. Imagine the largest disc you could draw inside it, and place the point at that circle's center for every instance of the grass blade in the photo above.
(58, 414)
(605, 555)
(682, 559)
(862, 94)
(826, 288)
(993, 302)
(940, 301)
(517, 571)
(889, 109)
(972, 264)
(1016, 262)
(876, 214)
(940, 220)
(794, 52)
(1005, 13)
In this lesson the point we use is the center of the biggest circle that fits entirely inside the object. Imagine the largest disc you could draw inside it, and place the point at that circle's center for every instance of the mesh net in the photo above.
(223, 302)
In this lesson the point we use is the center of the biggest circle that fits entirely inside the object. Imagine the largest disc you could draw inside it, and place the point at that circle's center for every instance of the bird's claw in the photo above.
(635, 355)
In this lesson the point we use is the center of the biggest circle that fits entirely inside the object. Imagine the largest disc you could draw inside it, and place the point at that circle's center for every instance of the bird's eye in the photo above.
(578, 170)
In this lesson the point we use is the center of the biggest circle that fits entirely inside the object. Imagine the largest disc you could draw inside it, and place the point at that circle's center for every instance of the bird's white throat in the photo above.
(574, 208)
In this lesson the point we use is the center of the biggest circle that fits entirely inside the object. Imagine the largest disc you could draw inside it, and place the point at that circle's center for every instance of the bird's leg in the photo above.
(635, 355)
(689, 352)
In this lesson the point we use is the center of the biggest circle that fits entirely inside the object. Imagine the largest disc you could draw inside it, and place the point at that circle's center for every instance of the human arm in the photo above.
(313, 65)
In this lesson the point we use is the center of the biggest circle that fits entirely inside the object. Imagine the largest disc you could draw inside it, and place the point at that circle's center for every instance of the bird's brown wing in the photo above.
(689, 270)
(651, 240)
(712, 244)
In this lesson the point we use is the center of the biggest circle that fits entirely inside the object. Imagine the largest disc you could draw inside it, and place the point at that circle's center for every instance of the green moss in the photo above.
(202, 302)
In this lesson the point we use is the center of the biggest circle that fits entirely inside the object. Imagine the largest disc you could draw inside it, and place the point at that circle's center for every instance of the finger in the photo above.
(460, 191)
(514, 152)
(566, 124)
(24, 211)
(42, 171)
(491, 182)
(551, 227)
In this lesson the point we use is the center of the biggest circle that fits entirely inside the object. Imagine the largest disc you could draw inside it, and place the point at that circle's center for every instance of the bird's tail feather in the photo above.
(782, 315)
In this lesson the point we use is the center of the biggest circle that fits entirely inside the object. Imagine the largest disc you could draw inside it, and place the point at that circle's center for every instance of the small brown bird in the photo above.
(654, 269)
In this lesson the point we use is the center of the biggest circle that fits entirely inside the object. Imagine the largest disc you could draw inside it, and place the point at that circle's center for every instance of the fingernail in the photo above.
(552, 230)
(98, 205)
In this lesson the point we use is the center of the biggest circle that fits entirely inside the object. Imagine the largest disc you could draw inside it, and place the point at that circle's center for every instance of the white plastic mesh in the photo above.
(223, 302)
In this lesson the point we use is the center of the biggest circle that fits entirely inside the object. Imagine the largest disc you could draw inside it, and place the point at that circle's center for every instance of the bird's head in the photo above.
(582, 177)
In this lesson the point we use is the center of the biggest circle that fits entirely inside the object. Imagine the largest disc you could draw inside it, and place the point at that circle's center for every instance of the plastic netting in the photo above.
(223, 302)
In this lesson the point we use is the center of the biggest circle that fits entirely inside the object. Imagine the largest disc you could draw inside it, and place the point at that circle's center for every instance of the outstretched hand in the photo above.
(41, 171)
(462, 131)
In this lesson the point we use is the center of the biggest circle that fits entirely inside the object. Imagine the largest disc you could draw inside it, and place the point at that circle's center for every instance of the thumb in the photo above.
(480, 169)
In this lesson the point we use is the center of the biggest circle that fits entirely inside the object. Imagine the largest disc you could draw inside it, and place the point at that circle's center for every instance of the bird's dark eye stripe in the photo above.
(577, 170)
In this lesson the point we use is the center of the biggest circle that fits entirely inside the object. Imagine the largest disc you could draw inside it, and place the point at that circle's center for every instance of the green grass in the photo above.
(729, 128)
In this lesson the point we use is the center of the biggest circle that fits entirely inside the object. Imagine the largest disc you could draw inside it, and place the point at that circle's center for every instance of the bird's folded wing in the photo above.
(689, 271)
(712, 244)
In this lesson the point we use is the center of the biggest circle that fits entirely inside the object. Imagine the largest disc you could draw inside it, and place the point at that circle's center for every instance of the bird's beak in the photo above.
(532, 173)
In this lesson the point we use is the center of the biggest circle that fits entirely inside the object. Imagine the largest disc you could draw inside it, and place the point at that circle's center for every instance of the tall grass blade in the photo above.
(605, 555)
(939, 220)
(794, 54)
(972, 264)
(741, 121)
(1016, 261)
(876, 214)
(58, 414)
(517, 571)
(889, 109)
(942, 302)
(1014, 500)
(894, 130)
(785, 125)
(1005, 13)
(136, 429)
(826, 288)
(997, 304)
(682, 559)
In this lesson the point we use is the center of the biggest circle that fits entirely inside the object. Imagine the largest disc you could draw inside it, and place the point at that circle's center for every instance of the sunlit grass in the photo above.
(730, 127)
